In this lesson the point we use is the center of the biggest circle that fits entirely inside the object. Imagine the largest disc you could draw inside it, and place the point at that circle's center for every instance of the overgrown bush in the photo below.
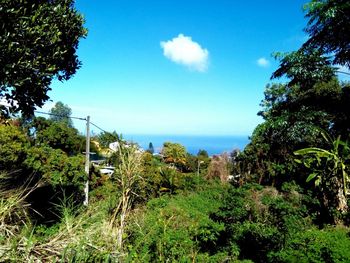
(259, 220)
(176, 228)
(314, 245)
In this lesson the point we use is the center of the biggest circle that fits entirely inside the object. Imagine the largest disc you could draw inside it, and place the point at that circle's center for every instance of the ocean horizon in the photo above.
(193, 143)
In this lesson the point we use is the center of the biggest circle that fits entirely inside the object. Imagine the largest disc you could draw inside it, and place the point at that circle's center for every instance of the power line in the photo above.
(113, 135)
(87, 148)
(77, 118)
(343, 72)
(63, 116)
(98, 127)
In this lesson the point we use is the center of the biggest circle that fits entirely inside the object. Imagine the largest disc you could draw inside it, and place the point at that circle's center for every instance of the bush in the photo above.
(176, 228)
(259, 220)
(315, 245)
(13, 150)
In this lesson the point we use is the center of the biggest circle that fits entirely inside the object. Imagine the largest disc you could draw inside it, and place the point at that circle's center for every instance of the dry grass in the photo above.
(13, 218)
(81, 234)
(219, 168)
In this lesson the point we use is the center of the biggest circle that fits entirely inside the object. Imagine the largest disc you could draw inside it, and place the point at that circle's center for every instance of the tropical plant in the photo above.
(174, 153)
(127, 175)
(329, 169)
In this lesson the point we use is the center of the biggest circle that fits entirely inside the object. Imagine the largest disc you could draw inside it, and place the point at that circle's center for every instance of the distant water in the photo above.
(212, 144)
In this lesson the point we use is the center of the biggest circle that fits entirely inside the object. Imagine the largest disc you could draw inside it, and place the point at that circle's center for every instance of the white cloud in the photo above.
(183, 50)
(263, 62)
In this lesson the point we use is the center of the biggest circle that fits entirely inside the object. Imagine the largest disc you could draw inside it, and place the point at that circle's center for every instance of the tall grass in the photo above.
(13, 221)
(128, 170)
(81, 234)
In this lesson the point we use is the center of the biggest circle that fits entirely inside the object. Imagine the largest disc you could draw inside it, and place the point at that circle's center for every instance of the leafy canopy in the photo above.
(328, 28)
(312, 99)
(38, 42)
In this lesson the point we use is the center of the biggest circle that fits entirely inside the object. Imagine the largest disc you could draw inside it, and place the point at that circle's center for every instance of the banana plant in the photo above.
(327, 165)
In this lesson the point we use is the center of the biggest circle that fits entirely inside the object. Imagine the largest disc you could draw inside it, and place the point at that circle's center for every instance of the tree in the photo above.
(38, 42)
(328, 29)
(304, 68)
(61, 113)
(174, 153)
(105, 138)
(202, 154)
(150, 148)
(22, 160)
(55, 167)
(312, 100)
(328, 43)
(13, 149)
(57, 135)
(294, 118)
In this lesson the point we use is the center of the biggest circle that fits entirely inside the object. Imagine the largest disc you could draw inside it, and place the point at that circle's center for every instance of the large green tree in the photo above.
(61, 113)
(311, 100)
(328, 29)
(293, 118)
(38, 43)
(44, 158)
(57, 135)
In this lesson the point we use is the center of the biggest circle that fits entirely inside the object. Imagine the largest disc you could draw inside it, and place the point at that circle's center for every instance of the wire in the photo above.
(113, 135)
(343, 72)
(63, 116)
(77, 118)
(93, 124)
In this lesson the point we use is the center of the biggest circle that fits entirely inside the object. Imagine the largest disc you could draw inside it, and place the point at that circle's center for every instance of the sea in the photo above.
(212, 144)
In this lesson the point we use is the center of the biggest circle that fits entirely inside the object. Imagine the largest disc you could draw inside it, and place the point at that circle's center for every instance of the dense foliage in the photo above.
(284, 198)
(327, 28)
(38, 42)
(297, 114)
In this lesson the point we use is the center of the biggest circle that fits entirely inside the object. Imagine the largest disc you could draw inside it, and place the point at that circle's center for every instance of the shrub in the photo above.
(176, 228)
(13, 148)
(258, 221)
(315, 245)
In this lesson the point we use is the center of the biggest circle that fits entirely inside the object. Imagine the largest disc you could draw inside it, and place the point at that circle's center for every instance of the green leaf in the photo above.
(311, 176)
(298, 161)
(318, 181)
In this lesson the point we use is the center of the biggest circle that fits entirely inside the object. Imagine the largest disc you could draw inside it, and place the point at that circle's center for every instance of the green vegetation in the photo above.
(38, 43)
(258, 205)
(61, 113)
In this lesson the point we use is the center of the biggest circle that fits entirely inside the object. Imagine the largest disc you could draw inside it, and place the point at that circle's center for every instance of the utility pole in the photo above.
(199, 163)
(87, 161)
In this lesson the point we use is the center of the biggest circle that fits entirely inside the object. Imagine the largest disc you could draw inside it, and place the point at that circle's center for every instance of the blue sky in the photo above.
(178, 67)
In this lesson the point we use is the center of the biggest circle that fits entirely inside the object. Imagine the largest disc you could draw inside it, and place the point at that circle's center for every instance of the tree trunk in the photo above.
(334, 198)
